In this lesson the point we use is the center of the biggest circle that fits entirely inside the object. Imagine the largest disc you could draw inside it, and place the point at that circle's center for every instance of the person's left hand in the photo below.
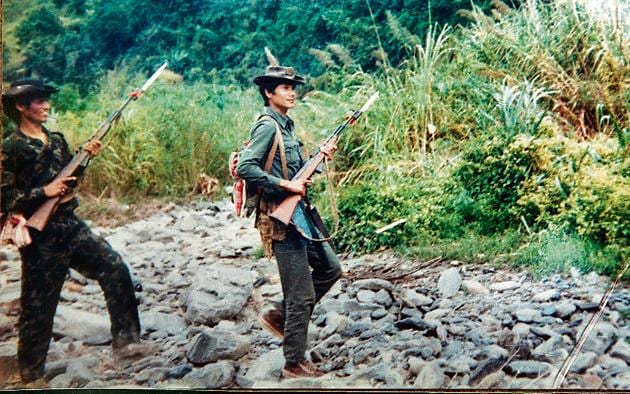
(329, 151)
(92, 147)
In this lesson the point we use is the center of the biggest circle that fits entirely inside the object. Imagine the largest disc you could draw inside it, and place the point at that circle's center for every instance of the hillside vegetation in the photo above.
(503, 140)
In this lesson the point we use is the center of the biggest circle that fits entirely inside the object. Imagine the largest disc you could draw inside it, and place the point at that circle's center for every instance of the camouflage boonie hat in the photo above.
(276, 72)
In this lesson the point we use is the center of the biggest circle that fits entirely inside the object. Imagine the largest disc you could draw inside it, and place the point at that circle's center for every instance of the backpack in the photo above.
(246, 199)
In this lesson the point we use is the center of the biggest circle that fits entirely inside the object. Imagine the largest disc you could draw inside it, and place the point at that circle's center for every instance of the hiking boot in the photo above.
(134, 351)
(304, 369)
(273, 321)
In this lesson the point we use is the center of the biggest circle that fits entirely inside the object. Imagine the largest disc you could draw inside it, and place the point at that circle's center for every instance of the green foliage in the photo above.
(502, 140)
(558, 248)
(166, 139)
(73, 40)
(514, 151)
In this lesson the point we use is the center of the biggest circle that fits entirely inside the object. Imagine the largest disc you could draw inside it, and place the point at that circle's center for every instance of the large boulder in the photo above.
(217, 292)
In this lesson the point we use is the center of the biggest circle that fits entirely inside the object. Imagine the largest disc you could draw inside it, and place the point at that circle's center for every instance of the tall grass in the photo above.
(166, 139)
(513, 126)
(482, 115)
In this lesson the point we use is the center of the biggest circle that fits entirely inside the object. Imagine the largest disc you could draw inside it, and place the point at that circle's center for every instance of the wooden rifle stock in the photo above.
(284, 211)
(40, 217)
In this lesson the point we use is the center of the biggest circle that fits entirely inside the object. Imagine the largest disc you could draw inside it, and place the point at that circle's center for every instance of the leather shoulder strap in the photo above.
(278, 142)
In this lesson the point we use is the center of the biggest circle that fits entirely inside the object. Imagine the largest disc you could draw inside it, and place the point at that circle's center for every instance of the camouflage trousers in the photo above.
(66, 243)
(307, 271)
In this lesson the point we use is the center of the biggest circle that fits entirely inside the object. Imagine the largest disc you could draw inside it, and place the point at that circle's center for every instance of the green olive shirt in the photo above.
(252, 159)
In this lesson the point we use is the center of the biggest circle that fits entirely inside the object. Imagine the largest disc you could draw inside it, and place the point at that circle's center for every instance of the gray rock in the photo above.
(521, 329)
(373, 284)
(211, 376)
(436, 314)
(383, 298)
(215, 345)
(378, 314)
(121, 238)
(178, 372)
(190, 221)
(583, 362)
(461, 365)
(334, 323)
(487, 367)
(150, 375)
(601, 338)
(611, 364)
(543, 332)
(453, 349)
(353, 306)
(267, 367)
(551, 350)
(366, 296)
(416, 299)
(10, 293)
(564, 310)
(356, 328)
(415, 324)
(327, 305)
(449, 282)
(55, 368)
(77, 374)
(619, 382)
(218, 292)
(527, 315)
(411, 312)
(493, 380)
(545, 296)
(8, 350)
(480, 336)
(474, 287)
(81, 325)
(527, 368)
(430, 376)
(505, 286)
(490, 352)
(380, 373)
(170, 323)
(621, 350)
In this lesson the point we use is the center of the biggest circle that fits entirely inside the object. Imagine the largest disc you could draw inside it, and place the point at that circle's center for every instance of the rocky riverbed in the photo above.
(389, 323)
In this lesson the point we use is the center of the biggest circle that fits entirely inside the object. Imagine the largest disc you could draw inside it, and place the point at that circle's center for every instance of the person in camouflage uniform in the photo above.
(32, 157)
(307, 268)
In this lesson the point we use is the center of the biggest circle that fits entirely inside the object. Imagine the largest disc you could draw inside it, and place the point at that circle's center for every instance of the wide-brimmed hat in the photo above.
(276, 72)
(23, 88)
(29, 87)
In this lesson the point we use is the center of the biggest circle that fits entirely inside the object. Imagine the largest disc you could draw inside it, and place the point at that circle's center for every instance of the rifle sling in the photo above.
(278, 141)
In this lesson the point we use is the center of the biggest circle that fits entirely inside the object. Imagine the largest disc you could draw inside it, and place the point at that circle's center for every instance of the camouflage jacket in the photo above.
(27, 166)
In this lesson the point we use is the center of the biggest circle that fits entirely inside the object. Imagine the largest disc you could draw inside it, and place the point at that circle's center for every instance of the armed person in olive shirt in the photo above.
(307, 268)
(32, 157)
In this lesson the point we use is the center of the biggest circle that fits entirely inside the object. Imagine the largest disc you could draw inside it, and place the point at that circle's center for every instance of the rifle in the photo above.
(40, 217)
(284, 211)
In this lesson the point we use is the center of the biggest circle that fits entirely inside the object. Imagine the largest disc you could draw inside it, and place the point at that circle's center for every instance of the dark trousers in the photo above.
(307, 271)
(45, 264)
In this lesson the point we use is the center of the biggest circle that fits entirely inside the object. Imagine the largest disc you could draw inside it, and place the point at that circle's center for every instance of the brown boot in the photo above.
(273, 321)
(304, 369)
